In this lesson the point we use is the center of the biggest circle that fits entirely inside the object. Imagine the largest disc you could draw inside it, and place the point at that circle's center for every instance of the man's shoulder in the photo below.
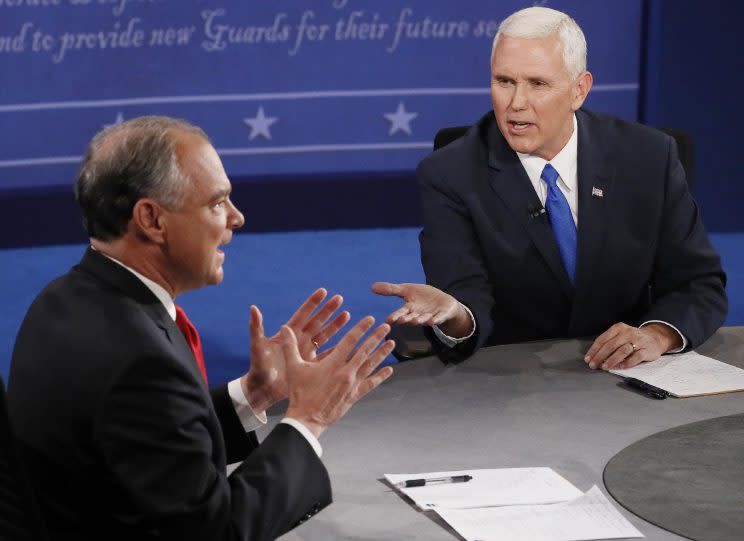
(470, 148)
(81, 305)
(604, 126)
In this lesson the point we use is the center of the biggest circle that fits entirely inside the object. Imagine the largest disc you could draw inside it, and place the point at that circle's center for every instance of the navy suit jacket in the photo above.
(642, 251)
(122, 438)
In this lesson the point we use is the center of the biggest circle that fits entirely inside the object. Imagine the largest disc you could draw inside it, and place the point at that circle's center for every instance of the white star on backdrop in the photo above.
(119, 120)
(260, 124)
(400, 120)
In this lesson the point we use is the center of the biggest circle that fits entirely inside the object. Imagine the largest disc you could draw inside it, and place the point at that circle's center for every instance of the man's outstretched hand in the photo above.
(427, 305)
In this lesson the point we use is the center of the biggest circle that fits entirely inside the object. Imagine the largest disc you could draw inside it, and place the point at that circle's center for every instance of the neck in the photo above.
(143, 259)
(566, 134)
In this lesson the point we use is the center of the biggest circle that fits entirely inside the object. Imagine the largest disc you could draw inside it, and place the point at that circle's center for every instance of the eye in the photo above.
(219, 204)
(502, 81)
(538, 83)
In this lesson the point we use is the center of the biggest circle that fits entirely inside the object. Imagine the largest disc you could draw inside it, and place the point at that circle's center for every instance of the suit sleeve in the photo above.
(238, 443)
(155, 435)
(452, 259)
(688, 282)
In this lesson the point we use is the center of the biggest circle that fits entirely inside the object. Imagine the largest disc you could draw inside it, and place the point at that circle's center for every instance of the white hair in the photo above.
(540, 22)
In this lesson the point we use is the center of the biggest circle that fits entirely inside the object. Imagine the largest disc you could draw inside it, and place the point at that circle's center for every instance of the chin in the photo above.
(521, 146)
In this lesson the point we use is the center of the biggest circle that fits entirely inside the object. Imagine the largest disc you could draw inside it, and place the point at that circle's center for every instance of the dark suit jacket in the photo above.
(121, 435)
(642, 251)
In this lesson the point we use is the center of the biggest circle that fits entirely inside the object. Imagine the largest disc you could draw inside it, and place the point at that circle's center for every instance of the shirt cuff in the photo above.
(248, 418)
(309, 436)
(450, 341)
(682, 336)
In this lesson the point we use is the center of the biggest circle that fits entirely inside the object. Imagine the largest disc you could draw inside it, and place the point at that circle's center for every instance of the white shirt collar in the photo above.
(564, 162)
(157, 290)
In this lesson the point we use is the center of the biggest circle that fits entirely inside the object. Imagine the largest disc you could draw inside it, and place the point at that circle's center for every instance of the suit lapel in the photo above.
(117, 276)
(596, 185)
(512, 185)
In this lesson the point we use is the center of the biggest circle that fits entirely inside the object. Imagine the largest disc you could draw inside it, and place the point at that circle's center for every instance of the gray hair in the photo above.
(541, 22)
(126, 162)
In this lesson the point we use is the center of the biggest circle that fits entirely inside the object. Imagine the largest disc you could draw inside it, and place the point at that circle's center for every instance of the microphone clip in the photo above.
(535, 210)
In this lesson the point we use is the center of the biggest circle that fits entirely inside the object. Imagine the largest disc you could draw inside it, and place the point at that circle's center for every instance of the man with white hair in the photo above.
(546, 220)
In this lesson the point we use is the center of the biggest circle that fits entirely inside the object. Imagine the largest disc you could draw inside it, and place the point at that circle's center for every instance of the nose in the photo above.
(235, 219)
(519, 97)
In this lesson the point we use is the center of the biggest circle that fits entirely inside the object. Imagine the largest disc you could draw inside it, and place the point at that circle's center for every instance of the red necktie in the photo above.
(192, 339)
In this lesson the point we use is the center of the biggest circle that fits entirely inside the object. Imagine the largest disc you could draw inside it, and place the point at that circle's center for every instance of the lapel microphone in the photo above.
(534, 210)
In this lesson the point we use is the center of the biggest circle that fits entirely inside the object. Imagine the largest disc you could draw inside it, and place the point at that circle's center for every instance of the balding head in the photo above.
(127, 162)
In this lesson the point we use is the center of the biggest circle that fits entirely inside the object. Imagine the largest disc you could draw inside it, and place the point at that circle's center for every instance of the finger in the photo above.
(387, 289)
(332, 328)
(606, 344)
(636, 358)
(423, 319)
(345, 346)
(408, 318)
(373, 381)
(317, 320)
(366, 348)
(439, 318)
(255, 326)
(302, 314)
(320, 356)
(648, 351)
(619, 355)
(374, 360)
(399, 313)
(603, 339)
(289, 345)
(609, 349)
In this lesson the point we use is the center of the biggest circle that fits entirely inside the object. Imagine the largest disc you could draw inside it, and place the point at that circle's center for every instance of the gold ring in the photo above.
(633, 346)
(315, 344)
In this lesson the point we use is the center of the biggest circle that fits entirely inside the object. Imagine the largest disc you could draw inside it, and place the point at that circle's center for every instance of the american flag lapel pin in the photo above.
(597, 192)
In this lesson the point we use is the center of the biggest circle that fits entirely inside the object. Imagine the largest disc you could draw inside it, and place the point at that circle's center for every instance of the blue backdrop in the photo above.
(286, 87)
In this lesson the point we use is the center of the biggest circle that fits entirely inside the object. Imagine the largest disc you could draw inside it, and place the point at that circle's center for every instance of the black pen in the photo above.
(435, 480)
(646, 388)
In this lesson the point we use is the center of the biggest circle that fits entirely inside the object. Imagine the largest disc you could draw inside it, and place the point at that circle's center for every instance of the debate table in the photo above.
(521, 405)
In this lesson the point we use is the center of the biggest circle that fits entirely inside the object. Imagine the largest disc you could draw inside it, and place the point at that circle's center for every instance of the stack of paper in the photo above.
(508, 486)
(590, 516)
(688, 374)
(520, 504)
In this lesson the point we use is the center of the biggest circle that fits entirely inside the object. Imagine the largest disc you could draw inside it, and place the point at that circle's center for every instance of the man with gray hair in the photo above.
(546, 220)
(108, 386)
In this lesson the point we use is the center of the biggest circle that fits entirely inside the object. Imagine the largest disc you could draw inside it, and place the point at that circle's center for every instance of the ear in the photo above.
(148, 220)
(582, 86)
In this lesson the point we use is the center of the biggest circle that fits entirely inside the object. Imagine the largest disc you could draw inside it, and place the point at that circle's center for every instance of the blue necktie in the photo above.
(559, 213)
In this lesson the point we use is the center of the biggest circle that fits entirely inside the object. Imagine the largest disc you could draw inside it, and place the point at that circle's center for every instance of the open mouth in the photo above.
(519, 126)
(222, 252)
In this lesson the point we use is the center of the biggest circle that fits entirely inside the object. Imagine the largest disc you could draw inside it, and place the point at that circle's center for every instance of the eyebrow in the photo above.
(220, 194)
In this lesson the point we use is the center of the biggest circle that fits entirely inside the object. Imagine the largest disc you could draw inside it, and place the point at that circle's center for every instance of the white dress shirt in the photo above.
(566, 163)
(248, 418)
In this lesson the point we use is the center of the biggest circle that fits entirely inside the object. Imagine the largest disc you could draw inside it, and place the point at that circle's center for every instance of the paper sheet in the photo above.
(589, 516)
(507, 486)
(688, 374)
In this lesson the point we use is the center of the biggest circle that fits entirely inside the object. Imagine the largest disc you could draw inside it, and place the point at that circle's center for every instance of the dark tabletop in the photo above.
(521, 405)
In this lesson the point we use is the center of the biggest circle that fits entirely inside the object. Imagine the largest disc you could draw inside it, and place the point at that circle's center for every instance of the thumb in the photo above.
(289, 345)
(387, 289)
